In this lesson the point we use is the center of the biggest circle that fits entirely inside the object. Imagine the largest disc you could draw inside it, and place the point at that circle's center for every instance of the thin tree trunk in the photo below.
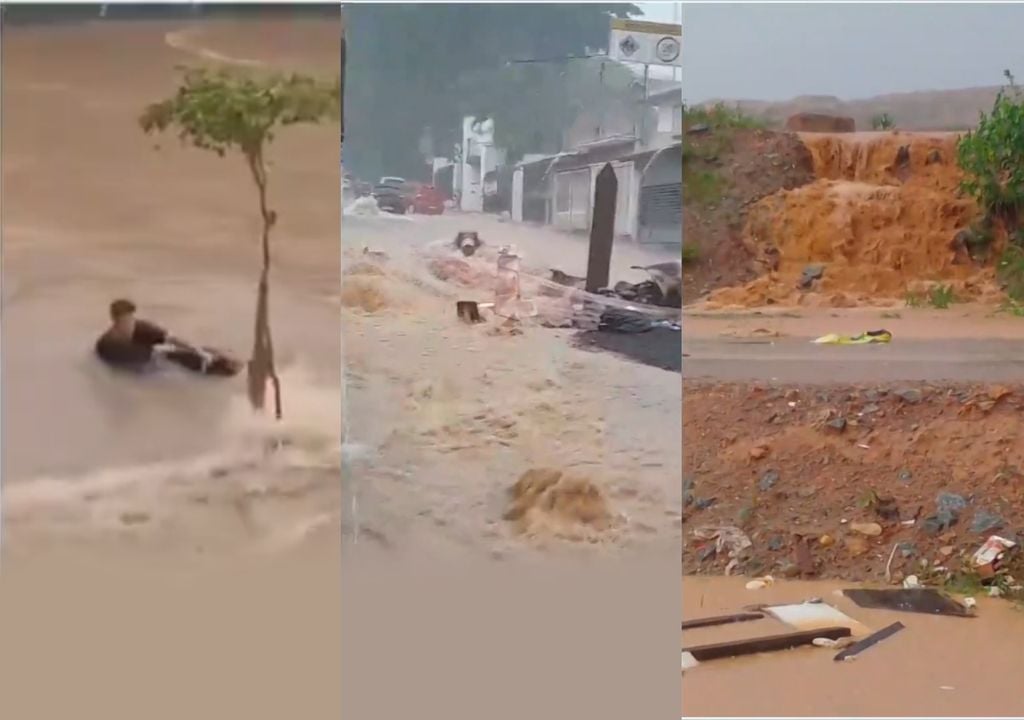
(261, 365)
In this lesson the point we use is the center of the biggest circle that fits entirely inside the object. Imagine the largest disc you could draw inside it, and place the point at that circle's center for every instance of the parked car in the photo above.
(392, 197)
(427, 200)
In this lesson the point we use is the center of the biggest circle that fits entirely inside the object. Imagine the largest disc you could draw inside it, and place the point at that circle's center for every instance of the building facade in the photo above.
(644, 147)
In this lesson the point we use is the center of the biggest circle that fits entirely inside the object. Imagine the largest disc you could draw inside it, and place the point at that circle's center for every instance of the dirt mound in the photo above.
(365, 293)
(819, 122)
(746, 166)
(784, 463)
(550, 502)
(883, 218)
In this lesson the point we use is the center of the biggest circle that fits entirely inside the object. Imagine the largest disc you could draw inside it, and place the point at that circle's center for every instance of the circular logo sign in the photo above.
(667, 49)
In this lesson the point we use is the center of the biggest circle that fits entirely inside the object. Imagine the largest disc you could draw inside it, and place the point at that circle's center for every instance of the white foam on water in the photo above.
(307, 438)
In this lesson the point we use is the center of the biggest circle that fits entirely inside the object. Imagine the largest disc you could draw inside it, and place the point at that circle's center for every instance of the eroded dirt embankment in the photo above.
(881, 220)
(826, 481)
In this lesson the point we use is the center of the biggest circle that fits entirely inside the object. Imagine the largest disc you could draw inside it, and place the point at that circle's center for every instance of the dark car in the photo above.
(392, 197)
(427, 200)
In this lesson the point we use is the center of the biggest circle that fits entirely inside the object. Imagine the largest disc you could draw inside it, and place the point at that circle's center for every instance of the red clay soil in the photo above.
(751, 164)
(883, 221)
(784, 463)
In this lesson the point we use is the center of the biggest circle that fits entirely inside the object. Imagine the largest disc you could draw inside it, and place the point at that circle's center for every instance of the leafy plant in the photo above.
(992, 158)
(690, 254)
(1010, 272)
(227, 110)
(913, 300)
(703, 187)
(941, 296)
(883, 121)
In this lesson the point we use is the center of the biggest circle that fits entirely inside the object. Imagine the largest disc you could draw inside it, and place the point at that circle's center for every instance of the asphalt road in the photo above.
(797, 360)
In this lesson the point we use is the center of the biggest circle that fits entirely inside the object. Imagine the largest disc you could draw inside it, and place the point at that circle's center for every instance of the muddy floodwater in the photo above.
(95, 210)
(937, 666)
(443, 418)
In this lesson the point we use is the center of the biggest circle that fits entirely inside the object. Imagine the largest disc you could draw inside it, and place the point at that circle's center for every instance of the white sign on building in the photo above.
(646, 43)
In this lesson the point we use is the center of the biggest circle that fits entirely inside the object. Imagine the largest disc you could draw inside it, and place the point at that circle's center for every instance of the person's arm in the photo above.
(148, 333)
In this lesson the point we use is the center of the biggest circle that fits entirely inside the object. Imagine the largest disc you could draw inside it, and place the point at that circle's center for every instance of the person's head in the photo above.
(122, 314)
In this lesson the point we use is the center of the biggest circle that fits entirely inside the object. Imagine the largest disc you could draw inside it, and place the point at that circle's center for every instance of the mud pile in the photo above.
(882, 220)
(803, 471)
(746, 166)
(549, 502)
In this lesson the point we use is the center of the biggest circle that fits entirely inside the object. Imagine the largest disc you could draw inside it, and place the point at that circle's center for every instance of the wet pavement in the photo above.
(797, 360)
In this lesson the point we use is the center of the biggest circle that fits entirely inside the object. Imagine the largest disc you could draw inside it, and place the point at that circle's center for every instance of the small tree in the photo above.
(227, 110)
(992, 158)
(883, 121)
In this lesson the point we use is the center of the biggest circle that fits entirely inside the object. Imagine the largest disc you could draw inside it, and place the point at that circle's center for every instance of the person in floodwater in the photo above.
(135, 344)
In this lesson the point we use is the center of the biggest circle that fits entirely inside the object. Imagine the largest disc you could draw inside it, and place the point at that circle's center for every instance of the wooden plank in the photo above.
(602, 229)
(765, 643)
(875, 637)
(721, 620)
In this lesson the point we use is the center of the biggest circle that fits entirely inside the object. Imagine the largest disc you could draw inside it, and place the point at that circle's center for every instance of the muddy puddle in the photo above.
(931, 668)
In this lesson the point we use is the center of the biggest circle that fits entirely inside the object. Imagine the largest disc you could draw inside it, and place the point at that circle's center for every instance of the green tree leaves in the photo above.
(225, 110)
(992, 158)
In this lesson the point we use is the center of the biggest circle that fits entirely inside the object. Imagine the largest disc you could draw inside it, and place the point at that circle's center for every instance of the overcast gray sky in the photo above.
(766, 51)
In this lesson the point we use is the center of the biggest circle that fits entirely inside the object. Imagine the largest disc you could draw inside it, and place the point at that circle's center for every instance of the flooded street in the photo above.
(442, 418)
(95, 210)
(929, 669)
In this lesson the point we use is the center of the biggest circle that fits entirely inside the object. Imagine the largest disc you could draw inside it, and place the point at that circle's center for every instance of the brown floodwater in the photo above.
(93, 209)
(937, 666)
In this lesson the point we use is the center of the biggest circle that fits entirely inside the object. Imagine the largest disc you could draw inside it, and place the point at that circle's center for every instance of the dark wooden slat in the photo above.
(765, 643)
(875, 637)
(721, 620)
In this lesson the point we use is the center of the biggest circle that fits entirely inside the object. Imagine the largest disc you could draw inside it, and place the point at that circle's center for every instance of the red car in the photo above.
(427, 200)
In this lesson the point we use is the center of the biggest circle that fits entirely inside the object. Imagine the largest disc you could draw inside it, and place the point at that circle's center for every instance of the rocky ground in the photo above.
(826, 481)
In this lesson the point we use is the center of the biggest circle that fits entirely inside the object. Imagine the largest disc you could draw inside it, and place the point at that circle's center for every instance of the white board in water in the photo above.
(815, 616)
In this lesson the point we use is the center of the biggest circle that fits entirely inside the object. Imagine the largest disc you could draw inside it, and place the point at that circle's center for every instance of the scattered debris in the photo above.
(825, 642)
(869, 529)
(714, 620)
(888, 563)
(917, 600)
(870, 337)
(768, 480)
(728, 538)
(814, 615)
(985, 521)
(467, 242)
(909, 395)
(571, 281)
(468, 311)
(987, 559)
(911, 582)
(950, 505)
(871, 640)
(761, 583)
(767, 643)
